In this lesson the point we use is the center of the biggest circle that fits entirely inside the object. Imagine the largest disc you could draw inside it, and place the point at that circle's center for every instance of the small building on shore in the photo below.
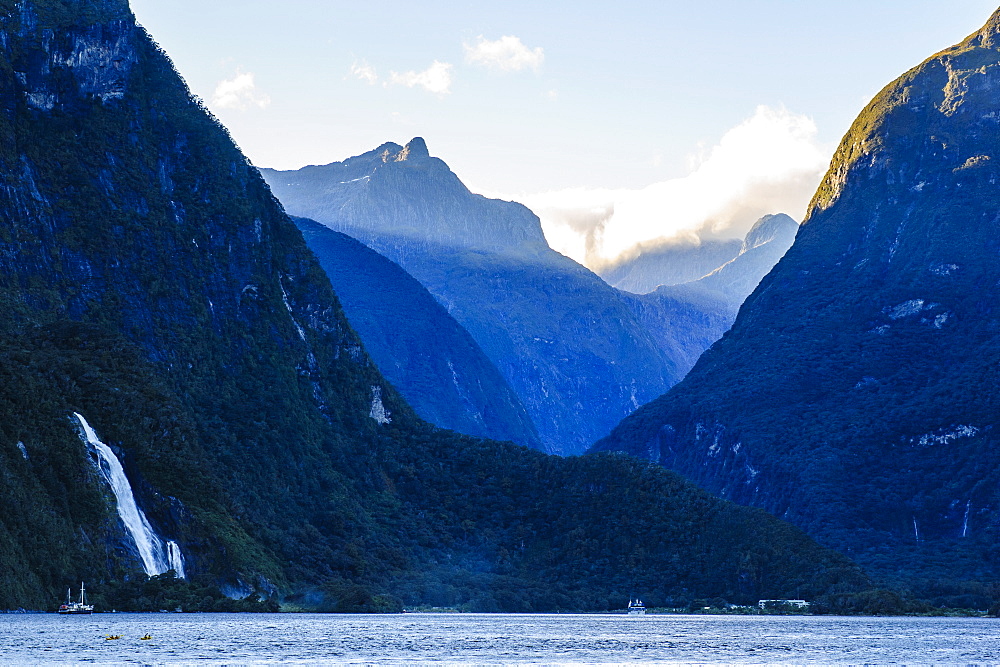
(779, 605)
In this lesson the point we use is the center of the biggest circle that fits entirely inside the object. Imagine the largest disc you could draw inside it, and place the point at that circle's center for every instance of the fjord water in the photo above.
(494, 639)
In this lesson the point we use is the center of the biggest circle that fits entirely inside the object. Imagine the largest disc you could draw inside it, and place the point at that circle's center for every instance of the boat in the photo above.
(636, 608)
(80, 607)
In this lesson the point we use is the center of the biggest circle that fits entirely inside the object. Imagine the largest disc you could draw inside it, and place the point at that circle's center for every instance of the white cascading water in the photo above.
(175, 559)
(158, 556)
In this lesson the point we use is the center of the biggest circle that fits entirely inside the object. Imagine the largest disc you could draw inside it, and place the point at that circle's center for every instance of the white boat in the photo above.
(80, 607)
(636, 608)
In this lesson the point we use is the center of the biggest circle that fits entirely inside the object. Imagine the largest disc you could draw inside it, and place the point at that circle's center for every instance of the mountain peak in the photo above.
(416, 149)
(768, 228)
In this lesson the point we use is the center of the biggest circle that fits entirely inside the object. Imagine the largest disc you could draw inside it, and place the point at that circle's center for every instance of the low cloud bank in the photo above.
(770, 163)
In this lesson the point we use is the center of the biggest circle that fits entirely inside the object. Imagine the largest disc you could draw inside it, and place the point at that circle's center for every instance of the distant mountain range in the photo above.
(857, 395)
(573, 348)
(766, 243)
(579, 354)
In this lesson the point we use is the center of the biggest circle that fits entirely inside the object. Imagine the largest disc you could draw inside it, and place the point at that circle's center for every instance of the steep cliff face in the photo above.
(150, 283)
(856, 393)
(436, 365)
(125, 205)
(575, 351)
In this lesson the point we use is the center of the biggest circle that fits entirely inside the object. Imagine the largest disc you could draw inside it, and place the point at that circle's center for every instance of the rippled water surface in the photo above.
(493, 639)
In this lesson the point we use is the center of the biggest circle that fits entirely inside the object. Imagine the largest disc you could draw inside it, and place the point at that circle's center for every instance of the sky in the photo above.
(619, 123)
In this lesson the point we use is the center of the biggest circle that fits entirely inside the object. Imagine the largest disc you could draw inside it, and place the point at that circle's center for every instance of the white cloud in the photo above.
(240, 92)
(362, 70)
(435, 79)
(507, 54)
(770, 163)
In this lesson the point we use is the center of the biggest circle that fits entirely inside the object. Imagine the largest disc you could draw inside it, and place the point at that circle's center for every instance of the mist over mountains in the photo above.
(771, 162)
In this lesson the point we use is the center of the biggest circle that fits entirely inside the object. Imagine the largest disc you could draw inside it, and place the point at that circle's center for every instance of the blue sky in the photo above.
(565, 105)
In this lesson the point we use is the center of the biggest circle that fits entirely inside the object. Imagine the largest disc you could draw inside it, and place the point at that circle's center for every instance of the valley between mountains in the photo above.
(360, 387)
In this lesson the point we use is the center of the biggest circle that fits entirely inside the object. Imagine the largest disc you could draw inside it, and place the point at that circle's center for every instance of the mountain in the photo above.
(166, 327)
(856, 394)
(434, 363)
(396, 192)
(670, 264)
(766, 243)
(572, 348)
(688, 317)
(685, 319)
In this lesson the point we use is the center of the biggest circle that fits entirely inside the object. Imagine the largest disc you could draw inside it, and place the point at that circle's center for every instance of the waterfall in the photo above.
(965, 523)
(157, 555)
(175, 559)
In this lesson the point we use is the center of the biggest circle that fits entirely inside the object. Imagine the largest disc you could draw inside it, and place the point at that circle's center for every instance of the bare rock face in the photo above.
(84, 61)
(856, 394)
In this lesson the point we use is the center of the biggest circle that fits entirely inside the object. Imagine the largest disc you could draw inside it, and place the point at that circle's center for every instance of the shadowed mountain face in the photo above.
(856, 395)
(576, 351)
(420, 348)
(151, 283)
